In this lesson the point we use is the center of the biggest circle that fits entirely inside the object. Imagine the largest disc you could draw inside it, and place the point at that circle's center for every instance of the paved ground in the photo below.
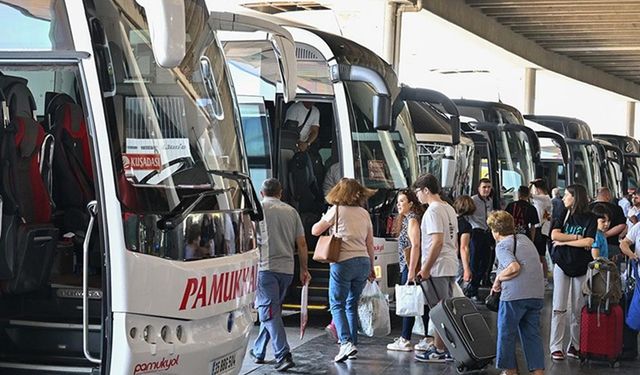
(314, 355)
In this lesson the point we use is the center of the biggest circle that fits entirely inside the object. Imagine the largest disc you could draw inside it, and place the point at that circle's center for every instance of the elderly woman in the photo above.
(520, 281)
(347, 277)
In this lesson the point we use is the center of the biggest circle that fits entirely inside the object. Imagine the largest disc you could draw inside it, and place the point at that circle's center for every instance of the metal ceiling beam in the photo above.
(516, 3)
(473, 20)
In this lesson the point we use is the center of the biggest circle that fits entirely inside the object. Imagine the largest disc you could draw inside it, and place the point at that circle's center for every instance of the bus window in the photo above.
(257, 138)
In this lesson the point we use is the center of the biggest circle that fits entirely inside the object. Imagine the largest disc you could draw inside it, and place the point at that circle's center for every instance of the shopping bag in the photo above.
(409, 300)
(304, 315)
(373, 312)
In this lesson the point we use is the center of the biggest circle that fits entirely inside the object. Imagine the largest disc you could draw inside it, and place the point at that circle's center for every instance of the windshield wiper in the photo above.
(185, 207)
(246, 187)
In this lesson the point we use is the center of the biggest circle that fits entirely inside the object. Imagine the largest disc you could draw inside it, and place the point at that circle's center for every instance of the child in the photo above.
(600, 248)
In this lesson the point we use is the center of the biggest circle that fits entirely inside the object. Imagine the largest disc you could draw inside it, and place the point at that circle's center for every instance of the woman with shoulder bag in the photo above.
(407, 228)
(349, 274)
(572, 240)
(520, 284)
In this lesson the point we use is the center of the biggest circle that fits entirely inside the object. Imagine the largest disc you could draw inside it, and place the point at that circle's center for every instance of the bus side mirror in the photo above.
(381, 107)
(454, 121)
(167, 30)
(448, 167)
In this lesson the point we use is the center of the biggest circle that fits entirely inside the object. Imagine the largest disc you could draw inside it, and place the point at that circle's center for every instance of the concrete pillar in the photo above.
(529, 91)
(631, 118)
(389, 42)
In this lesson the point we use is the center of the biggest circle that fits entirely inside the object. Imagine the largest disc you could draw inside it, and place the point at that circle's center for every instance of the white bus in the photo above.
(355, 92)
(128, 241)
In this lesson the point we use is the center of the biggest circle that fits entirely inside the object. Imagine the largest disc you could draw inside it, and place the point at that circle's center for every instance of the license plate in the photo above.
(224, 365)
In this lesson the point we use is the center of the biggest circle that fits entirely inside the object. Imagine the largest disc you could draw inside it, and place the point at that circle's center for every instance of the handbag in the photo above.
(493, 299)
(328, 247)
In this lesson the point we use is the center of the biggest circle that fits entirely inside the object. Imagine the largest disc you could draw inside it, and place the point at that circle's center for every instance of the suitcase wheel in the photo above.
(614, 364)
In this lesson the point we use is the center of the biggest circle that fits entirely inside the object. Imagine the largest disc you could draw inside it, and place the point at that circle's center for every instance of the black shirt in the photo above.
(525, 216)
(463, 227)
(558, 209)
(574, 260)
(617, 218)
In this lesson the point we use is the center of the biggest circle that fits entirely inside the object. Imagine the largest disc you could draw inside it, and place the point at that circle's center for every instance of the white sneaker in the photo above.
(346, 350)
(400, 344)
(423, 345)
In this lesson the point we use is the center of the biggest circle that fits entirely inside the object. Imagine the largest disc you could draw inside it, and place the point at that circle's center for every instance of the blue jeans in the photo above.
(520, 317)
(346, 281)
(272, 287)
(409, 321)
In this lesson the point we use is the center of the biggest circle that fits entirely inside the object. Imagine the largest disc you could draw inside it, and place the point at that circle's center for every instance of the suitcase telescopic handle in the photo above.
(419, 280)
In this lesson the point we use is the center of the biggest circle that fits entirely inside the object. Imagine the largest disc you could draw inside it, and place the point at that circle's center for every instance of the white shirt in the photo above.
(441, 218)
(633, 211)
(542, 203)
(298, 112)
(331, 179)
(634, 236)
(626, 205)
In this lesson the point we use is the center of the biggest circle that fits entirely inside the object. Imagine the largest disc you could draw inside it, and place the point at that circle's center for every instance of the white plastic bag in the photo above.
(418, 326)
(304, 315)
(373, 312)
(409, 300)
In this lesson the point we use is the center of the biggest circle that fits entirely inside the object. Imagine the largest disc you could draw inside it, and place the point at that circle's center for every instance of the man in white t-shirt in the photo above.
(634, 210)
(633, 237)
(307, 117)
(439, 232)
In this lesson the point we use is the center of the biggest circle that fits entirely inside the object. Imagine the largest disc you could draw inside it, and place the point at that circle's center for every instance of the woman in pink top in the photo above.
(348, 276)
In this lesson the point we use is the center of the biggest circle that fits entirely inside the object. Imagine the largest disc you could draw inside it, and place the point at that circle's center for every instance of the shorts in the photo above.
(541, 242)
(438, 288)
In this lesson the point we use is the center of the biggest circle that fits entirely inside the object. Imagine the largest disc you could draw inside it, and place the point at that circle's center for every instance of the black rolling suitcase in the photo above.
(464, 332)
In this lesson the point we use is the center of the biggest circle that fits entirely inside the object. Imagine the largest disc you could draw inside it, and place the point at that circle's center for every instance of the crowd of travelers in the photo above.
(445, 246)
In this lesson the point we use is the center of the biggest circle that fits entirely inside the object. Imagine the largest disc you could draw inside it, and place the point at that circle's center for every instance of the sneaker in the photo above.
(558, 355)
(573, 353)
(330, 329)
(353, 355)
(400, 344)
(432, 355)
(285, 363)
(347, 349)
(255, 358)
(448, 357)
(423, 345)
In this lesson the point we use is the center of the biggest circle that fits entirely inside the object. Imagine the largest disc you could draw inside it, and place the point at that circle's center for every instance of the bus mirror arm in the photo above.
(381, 101)
(281, 41)
(92, 207)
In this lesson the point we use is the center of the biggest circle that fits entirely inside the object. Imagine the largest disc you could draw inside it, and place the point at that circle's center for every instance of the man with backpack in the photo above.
(525, 215)
(307, 120)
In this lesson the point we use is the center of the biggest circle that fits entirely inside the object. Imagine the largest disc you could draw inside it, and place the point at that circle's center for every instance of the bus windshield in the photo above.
(174, 125)
(383, 159)
(174, 135)
(585, 160)
(632, 171)
(515, 162)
